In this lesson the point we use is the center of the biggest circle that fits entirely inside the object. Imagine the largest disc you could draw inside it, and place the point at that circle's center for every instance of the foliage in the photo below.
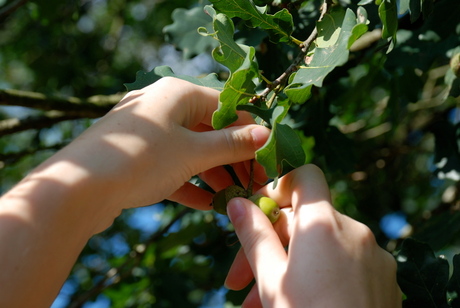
(364, 90)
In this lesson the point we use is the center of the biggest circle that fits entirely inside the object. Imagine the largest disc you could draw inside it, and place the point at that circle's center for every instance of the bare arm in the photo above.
(143, 151)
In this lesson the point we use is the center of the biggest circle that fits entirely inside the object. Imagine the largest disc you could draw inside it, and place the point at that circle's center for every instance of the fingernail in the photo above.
(235, 210)
(260, 135)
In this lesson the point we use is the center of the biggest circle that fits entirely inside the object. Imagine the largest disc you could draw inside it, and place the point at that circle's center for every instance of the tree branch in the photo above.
(15, 156)
(14, 125)
(298, 60)
(92, 107)
(9, 9)
(57, 109)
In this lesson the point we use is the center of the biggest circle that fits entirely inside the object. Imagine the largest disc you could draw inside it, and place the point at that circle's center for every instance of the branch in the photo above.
(9, 9)
(92, 107)
(11, 126)
(298, 60)
(15, 156)
(58, 109)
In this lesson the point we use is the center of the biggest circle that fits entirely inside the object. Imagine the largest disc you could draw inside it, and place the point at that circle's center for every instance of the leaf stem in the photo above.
(304, 47)
(251, 179)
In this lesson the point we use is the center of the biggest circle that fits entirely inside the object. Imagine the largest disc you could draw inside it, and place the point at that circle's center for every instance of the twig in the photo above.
(14, 125)
(15, 156)
(251, 178)
(91, 107)
(298, 60)
(9, 9)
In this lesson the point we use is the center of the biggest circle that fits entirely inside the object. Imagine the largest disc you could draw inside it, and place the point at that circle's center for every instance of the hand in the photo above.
(144, 150)
(158, 137)
(332, 260)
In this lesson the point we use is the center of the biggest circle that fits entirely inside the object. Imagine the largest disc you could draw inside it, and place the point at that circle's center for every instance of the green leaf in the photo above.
(334, 33)
(240, 87)
(278, 26)
(183, 31)
(404, 6)
(453, 287)
(415, 8)
(298, 93)
(238, 90)
(228, 53)
(422, 276)
(388, 13)
(282, 152)
(264, 113)
(144, 79)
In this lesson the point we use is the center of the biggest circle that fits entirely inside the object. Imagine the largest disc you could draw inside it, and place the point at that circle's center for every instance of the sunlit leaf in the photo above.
(240, 87)
(334, 33)
(279, 26)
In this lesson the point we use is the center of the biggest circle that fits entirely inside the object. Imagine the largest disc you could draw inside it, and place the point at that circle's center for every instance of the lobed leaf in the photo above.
(334, 38)
(422, 276)
(144, 79)
(283, 150)
(278, 26)
(183, 31)
(240, 87)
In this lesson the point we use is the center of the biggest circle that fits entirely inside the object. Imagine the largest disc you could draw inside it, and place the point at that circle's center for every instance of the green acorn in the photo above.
(270, 208)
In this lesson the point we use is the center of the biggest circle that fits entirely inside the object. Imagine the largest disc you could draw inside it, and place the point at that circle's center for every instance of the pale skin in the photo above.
(332, 260)
(144, 151)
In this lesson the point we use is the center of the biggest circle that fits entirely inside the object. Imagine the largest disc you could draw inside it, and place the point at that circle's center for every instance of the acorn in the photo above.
(222, 197)
(270, 208)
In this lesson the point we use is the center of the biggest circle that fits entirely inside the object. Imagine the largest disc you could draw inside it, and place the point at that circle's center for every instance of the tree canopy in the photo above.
(369, 91)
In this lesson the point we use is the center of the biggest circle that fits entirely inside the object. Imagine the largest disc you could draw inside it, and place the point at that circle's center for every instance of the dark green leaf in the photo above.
(183, 32)
(422, 276)
(453, 287)
(388, 13)
(144, 79)
(264, 113)
(282, 152)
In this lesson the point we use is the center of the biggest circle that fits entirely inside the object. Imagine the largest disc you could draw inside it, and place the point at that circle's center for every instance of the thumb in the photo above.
(230, 145)
(260, 242)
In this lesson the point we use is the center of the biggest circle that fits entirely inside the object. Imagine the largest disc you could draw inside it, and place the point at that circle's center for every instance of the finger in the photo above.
(193, 196)
(302, 186)
(242, 173)
(252, 300)
(263, 249)
(240, 274)
(225, 146)
(217, 178)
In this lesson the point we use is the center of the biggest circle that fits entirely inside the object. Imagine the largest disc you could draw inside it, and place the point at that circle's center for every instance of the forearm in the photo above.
(45, 221)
